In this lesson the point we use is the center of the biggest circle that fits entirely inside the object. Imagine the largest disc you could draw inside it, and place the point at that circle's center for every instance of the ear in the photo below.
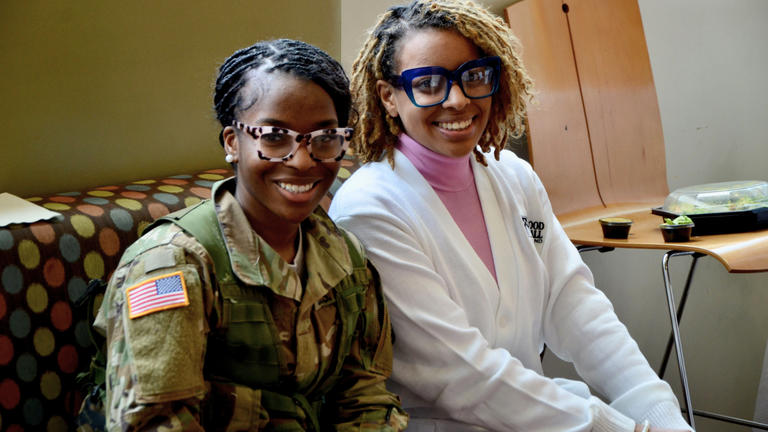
(231, 143)
(387, 96)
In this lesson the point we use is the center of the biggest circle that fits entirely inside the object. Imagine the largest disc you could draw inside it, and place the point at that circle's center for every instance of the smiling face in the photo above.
(454, 127)
(279, 195)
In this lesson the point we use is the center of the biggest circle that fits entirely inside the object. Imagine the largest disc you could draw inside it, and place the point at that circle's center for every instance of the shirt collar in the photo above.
(433, 166)
(253, 261)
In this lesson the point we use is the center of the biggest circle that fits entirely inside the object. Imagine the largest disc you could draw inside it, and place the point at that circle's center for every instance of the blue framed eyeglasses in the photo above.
(277, 144)
(430, 86)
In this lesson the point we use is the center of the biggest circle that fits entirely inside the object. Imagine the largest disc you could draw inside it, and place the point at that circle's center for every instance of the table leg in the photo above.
(680, 308)
(676, 331)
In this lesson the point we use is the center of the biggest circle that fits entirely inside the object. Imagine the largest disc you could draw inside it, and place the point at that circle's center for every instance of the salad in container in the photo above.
(717, 208)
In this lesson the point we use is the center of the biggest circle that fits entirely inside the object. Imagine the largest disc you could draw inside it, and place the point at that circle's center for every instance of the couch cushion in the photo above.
(45, 267)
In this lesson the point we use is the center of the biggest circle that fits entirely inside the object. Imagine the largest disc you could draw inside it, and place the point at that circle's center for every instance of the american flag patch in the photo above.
(163, 292)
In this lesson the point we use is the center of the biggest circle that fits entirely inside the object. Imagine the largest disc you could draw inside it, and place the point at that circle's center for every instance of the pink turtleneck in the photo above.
(454, 182)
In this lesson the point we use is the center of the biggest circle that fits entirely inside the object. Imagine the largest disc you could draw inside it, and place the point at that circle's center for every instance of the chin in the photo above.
(298, 216)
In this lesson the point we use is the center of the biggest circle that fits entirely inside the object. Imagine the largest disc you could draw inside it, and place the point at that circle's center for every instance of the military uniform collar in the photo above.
(253, 261)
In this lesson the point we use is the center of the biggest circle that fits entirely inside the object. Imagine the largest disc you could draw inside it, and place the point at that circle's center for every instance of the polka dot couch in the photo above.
(46, 266)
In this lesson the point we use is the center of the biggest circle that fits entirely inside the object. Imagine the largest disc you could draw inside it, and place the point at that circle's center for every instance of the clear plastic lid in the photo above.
(722, 197)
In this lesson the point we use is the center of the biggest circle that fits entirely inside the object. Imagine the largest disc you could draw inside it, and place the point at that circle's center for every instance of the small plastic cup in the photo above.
(616, 227)
(676, 233)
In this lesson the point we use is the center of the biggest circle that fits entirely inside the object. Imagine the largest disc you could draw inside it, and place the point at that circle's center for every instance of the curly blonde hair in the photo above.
(376, 132)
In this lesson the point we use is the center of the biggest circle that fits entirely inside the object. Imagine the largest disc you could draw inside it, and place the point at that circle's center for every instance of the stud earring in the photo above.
(229, 158)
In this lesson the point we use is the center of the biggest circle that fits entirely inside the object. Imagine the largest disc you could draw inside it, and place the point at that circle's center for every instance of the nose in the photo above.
(301, 159)
(456, 98)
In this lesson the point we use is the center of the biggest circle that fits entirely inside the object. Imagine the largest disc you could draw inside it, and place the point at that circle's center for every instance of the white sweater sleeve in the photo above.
(444, 360)
(580, 326)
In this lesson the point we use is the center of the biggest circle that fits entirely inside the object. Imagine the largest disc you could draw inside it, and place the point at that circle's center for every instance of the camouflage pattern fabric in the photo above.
(155, 363)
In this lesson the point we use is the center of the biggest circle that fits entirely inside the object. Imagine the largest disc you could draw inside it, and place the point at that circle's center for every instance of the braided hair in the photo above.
(286, 55)
(376, 132)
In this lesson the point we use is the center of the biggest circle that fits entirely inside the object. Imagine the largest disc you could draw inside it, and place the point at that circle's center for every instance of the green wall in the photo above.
(100, 92)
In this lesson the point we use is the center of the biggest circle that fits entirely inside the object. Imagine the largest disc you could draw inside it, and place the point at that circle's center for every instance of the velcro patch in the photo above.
(159, 258)
(159, 293)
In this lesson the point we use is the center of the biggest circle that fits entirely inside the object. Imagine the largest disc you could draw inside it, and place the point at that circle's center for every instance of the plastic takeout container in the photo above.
(717, 208)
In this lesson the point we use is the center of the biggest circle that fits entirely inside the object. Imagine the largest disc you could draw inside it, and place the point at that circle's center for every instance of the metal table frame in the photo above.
(675, 315)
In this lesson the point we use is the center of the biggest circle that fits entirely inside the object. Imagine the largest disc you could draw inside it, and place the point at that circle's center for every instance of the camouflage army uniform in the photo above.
(157, 373)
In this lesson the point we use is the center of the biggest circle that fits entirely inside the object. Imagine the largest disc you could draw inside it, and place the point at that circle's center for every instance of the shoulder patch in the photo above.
(159, 258)
(163, 292)
(161, 235)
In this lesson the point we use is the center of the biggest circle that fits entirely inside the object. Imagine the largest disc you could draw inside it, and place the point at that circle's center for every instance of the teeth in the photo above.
(296, 188)
(455, 125)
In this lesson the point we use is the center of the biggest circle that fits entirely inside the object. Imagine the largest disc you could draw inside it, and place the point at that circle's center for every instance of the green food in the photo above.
(680, 220)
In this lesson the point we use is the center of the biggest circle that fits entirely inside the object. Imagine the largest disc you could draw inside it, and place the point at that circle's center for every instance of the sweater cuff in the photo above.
(655, 402)
(667, 414)
(607, 419)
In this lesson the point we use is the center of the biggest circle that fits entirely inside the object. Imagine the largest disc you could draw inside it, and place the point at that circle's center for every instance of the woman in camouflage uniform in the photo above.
(252, 310)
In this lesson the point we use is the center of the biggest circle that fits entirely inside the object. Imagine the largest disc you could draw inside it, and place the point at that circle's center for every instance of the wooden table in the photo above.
(739, 252)
(745, 252)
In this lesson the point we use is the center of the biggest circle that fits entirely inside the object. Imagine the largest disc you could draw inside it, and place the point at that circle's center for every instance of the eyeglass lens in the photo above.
(433, 89)
(277, 144)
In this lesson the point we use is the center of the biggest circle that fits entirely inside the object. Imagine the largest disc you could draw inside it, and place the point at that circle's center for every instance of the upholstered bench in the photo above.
(44, 267)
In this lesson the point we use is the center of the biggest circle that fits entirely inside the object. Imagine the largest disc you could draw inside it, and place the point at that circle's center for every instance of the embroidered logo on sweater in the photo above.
(535, 228)
(160, 293)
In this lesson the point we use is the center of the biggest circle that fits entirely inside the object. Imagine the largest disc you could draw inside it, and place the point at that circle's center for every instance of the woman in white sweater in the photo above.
(478, 272)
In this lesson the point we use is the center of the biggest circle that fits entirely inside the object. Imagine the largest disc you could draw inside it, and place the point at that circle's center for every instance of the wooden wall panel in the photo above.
(619, 99)
(557, 134)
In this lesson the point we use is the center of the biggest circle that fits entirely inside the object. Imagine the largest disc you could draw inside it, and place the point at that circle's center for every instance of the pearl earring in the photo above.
(229, 158)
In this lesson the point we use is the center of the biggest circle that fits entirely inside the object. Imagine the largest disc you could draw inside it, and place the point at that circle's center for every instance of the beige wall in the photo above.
(97, 92)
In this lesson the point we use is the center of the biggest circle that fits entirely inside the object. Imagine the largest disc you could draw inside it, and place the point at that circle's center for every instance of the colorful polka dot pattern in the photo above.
(45, 267)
